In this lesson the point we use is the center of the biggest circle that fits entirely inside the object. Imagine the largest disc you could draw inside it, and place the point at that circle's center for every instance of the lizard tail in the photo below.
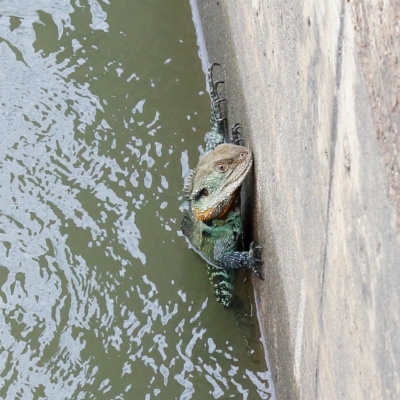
(223, 281)
(219, 129)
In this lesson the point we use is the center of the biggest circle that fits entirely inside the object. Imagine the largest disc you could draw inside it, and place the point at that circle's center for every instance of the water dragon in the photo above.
(212, 223)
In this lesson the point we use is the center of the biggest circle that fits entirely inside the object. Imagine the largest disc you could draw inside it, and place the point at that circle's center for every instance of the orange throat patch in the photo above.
(211, 213)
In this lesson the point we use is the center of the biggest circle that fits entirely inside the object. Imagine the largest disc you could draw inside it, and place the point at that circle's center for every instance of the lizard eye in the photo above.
(221, 167)
(242, 156)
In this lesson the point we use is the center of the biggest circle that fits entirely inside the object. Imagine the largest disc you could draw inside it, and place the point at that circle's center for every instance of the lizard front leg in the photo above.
(238, 259)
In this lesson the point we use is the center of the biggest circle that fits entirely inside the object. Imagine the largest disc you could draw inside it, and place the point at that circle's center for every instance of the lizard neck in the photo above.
(233, 204)
(221, 212)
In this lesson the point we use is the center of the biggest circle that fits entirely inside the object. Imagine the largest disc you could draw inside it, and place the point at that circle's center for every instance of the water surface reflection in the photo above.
(101, 105)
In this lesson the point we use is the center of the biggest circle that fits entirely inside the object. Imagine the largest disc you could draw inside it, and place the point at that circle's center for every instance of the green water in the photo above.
(103, 106)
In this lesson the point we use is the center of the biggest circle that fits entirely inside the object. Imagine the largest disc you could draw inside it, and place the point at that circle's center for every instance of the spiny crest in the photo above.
(188, 182)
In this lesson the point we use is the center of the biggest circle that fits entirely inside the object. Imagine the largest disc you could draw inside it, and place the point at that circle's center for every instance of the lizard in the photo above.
(213, 224)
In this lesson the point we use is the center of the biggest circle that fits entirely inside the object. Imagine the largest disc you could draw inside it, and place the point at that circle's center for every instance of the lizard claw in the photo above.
(235, 135)
(254, 248)
(258, 273)
(236, 126)
(213, 65)
(210, 69)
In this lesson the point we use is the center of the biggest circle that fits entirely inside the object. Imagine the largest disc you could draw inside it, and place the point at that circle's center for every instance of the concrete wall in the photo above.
(316, 85)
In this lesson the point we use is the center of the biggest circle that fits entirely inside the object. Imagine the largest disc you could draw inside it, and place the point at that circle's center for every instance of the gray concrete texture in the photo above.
(316, 85)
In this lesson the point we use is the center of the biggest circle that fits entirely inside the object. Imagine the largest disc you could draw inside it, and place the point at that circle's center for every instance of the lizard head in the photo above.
(216, 179)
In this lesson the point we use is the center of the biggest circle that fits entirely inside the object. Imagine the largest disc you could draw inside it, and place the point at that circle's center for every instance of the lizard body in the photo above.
(213, 222)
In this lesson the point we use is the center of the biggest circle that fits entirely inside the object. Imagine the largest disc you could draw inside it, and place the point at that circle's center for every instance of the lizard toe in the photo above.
(258, 273)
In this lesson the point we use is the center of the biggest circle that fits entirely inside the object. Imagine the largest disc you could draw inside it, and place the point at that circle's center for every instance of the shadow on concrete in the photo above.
(276, 334)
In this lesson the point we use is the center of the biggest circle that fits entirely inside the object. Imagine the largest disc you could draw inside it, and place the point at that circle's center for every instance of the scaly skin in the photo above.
(215, 181)
(213, 224)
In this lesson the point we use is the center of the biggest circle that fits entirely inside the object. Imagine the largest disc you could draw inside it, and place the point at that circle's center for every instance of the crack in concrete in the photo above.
(334, 132)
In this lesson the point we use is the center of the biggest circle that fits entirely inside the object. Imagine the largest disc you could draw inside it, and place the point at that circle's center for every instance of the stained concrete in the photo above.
(316, 86)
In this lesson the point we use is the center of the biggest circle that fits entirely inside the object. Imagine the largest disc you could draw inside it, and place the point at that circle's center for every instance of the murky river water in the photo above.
(102, 106)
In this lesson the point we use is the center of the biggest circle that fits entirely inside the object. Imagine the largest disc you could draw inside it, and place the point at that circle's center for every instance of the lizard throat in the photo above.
(215, 212)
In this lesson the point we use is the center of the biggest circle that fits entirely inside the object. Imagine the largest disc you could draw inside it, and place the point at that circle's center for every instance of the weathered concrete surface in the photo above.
(316, 85)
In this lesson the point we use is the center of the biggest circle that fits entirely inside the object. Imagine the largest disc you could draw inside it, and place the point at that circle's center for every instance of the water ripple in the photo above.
(97, 297)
